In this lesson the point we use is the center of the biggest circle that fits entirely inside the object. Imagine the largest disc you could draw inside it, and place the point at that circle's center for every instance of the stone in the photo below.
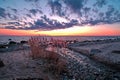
(12, 42)
(23, 42)
(94, 51)
(116, 51)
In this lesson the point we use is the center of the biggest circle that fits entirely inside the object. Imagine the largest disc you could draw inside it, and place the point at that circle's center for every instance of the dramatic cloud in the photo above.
(56, 7)
(110, 11)
(2, 13)
(86, 10)
(10, 27)
(12, 16)
(34, 11)
(36, 14)
(100, 3)
(28, 15)
(75, 5)
(48, 24)
(41, 24)
(14, 23)
(14, 10)
(31, 0)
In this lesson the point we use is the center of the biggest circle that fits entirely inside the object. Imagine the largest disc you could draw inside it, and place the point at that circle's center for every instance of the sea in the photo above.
(6, 39)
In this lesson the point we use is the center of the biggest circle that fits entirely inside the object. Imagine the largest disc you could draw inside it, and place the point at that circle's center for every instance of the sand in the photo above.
(19, 64)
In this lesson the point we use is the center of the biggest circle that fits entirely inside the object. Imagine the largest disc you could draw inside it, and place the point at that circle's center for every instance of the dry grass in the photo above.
(37, 49)
(55, 64)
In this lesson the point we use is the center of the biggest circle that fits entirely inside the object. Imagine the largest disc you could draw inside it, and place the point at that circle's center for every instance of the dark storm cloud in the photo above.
(2, 13)
(34, 11)
(100, 3)
(75, 5)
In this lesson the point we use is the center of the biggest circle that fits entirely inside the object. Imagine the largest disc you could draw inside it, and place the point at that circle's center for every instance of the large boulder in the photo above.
(12, 42)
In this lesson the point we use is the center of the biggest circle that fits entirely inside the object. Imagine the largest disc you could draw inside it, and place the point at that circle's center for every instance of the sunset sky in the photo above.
(60, 17)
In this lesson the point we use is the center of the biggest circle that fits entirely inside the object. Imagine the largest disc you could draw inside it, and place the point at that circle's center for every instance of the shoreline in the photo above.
(104, 52)
(79, 65)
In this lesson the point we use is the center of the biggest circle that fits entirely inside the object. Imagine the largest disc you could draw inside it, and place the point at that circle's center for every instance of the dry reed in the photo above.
(55, 63)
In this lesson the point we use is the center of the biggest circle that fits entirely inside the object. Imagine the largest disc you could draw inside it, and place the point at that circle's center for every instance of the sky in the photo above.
(60, 17)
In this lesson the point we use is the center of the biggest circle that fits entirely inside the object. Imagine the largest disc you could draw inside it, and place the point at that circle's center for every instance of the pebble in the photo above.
(85, 70)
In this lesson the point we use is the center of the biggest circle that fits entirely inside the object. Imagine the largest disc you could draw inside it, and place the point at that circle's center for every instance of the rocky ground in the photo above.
(19, 65)
(107, 52)
(83, 68)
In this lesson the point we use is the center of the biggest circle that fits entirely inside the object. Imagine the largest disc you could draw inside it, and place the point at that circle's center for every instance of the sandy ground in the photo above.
(19, 64)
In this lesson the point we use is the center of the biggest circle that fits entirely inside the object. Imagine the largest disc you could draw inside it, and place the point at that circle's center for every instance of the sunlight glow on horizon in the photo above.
(16, 32)
(83, 31)
(98, 30)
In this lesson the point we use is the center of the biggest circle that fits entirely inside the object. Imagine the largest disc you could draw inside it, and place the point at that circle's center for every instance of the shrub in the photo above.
(55, 63)
(36, 49)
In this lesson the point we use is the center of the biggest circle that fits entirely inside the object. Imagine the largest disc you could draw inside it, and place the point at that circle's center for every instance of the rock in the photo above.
(2, 46)
(12, 42)
(28, 78)
(9, 39)
(94, 51)
(116, 79)
(23, 42)
(90, 78)
(1, 64)
(116, 51)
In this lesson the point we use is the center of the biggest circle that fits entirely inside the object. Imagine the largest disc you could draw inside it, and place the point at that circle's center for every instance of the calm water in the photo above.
(5, 39)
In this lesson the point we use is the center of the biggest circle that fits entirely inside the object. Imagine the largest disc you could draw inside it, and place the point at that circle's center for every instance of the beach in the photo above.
(91, 60)
(19, 66)
(59, 39)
